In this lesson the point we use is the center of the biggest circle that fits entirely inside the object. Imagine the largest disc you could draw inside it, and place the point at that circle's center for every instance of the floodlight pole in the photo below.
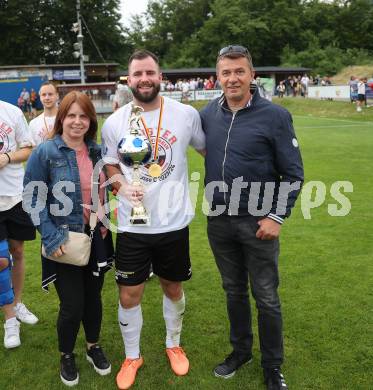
(80, 40)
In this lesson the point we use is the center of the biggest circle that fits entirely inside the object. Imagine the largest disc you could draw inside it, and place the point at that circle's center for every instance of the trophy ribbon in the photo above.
(155, 170)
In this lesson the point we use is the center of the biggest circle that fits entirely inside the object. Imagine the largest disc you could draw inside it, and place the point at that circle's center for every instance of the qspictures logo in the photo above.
(5, 130)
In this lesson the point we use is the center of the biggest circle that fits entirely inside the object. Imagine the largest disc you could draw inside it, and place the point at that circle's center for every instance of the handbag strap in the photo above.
(92, 222)
(98, 166)
(94, 207)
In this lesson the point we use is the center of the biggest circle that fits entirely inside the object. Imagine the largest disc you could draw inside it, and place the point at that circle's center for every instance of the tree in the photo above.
(199, 28)
(40, 30)
(334, 35)
(323, 35)
(354, 25)
(169, 25)
(264, 26)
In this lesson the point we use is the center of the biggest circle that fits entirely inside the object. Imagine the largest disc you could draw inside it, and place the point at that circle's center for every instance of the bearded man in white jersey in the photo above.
(43, 124)
(164, 242)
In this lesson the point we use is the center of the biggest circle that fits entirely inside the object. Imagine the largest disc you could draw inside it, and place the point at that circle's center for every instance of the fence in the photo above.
(335, 92)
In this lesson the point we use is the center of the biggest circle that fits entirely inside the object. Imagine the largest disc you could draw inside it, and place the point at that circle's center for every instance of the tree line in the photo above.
(40, 31)
(322, 35)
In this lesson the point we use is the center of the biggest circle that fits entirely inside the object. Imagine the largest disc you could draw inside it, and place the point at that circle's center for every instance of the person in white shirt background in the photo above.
(15, 224)
(360, 93)
(43, 124)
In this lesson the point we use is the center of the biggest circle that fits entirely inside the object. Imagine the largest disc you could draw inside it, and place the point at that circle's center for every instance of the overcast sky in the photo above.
(130, 8)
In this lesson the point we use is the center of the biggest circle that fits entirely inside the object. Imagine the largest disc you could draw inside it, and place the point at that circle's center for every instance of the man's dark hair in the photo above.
(142, 54)
(233, 52)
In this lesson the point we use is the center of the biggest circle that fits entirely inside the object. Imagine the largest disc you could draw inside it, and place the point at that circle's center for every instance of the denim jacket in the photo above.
(56, 207)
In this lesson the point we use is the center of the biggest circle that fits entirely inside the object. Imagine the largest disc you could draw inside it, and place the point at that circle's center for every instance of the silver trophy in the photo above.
(133, 151)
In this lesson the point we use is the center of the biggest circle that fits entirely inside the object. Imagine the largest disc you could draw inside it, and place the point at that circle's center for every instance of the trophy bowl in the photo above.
(134, 150)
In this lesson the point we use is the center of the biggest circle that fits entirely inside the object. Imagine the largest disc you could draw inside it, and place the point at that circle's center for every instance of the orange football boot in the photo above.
(127, 373)
(178, 360)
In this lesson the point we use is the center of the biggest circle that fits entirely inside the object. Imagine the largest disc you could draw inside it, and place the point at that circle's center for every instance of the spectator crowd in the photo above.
(298, 85)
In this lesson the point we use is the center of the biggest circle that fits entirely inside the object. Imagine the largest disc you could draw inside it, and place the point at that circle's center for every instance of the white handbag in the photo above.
(77, 247)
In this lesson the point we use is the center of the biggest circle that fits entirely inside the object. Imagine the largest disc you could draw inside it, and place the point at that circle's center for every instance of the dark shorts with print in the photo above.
(16, 224)
(168, 253)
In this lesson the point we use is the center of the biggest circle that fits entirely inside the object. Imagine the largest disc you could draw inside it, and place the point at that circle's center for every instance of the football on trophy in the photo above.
(134, 149)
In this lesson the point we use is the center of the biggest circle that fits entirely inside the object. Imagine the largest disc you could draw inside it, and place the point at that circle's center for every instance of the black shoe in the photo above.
(274, 379)
(96, 356)
(68, 373)
(232, 362)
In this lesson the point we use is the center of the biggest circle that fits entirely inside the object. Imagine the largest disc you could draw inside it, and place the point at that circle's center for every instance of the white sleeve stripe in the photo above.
(276, 218)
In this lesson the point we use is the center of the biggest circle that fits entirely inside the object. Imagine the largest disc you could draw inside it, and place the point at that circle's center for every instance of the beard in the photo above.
(148, 96)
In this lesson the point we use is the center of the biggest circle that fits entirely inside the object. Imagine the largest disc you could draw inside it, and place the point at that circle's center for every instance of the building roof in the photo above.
(212, 71)
(267, 69)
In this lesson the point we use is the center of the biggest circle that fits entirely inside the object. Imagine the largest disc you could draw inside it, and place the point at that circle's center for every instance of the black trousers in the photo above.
(79, 292)
(241, 258)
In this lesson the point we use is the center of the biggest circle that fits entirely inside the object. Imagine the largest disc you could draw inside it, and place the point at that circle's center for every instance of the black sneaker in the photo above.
(233, 362)
(68, 373)
(274, 379)
(96, 356)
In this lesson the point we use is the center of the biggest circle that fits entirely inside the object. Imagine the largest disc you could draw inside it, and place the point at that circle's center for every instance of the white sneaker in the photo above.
(11, 335)
(359, 109)
(24, 315)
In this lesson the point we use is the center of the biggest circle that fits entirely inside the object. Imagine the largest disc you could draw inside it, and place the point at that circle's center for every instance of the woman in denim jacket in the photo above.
(61, 169)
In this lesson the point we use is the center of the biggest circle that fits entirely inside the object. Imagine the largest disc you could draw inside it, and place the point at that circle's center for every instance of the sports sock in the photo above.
(173, 312)
(11, 321)
(130, 324)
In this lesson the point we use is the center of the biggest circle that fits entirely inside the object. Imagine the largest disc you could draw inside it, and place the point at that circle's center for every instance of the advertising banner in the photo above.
(69, 74)
(334, 92)
(174, 95)
(209, 94)
(10, 89)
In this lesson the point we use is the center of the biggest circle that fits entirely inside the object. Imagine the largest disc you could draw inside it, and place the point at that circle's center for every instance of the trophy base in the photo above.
(139, 216)
(139, 221)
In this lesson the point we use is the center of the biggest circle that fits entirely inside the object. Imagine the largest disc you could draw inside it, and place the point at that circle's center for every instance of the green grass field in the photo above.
(326, 286)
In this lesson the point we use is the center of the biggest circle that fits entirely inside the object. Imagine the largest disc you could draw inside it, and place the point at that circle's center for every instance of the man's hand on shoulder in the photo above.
(268, 229)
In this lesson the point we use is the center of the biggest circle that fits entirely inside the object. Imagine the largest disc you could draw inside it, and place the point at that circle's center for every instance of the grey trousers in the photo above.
(242, 259)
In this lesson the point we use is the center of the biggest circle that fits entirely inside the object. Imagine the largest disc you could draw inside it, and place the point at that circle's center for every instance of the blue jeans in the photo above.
(242, 258)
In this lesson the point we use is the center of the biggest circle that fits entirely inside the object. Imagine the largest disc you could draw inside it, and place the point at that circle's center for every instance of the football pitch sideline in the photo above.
(326, 276)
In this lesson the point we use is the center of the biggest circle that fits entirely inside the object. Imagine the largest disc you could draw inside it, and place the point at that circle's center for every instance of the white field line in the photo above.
(331, 119)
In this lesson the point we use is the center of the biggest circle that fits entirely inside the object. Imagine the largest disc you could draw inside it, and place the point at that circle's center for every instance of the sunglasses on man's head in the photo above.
(233, 49)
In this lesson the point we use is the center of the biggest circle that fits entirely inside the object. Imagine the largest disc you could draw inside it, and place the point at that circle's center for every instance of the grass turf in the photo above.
(326, 274)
